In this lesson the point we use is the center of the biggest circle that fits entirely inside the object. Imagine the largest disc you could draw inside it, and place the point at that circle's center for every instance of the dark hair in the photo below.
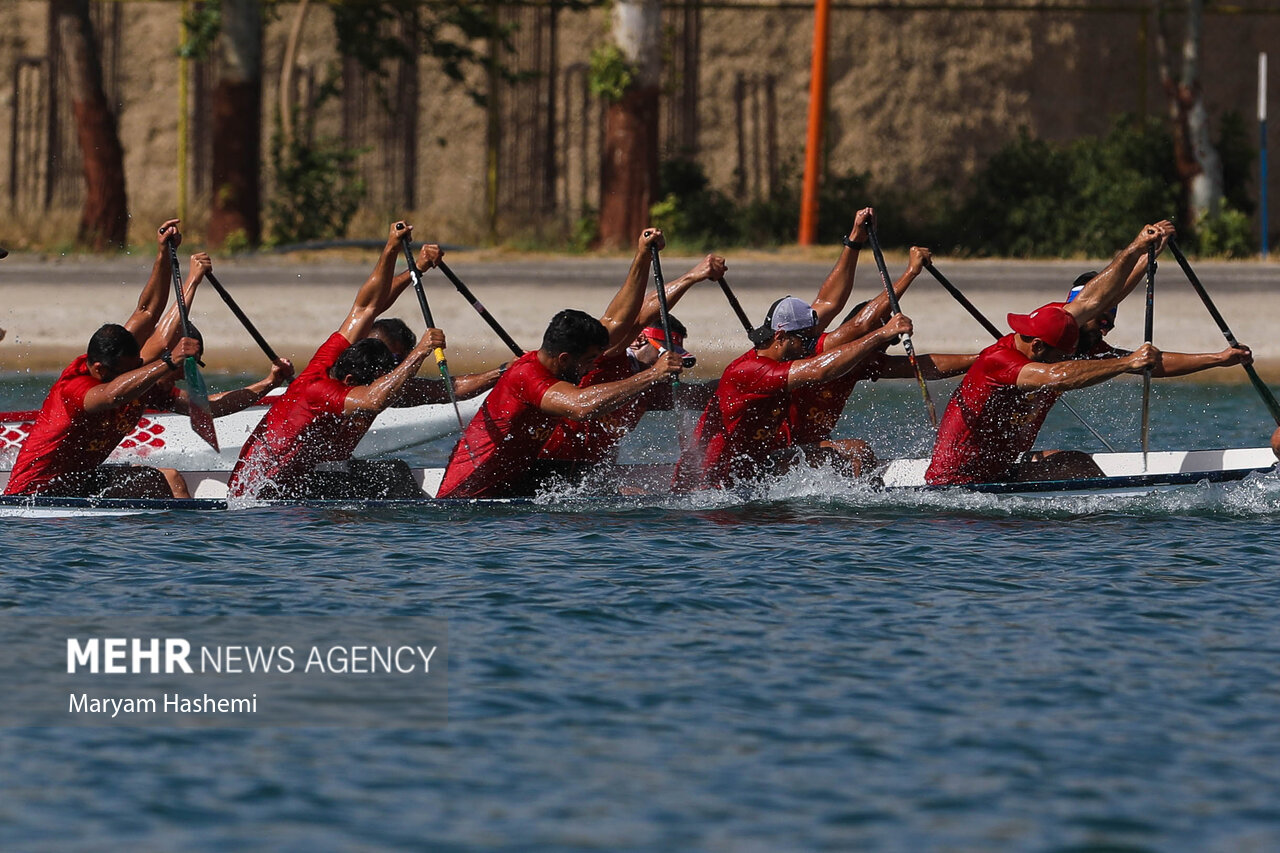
(574, 332)
(677, 328)
(396, 330)
(1084, 278)
(111, 344)
(364, 361)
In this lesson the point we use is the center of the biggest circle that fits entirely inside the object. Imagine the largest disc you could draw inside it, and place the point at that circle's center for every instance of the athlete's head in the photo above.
(396, 334)
(1047, 334)
(113, 350)
(363, 362)
(651, 342)
(793, 324)
(573, 341)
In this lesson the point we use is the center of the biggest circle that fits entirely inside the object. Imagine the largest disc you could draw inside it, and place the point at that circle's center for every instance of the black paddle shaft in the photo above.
(480, 309)
(416, 275)
(736, 306)
(177, 288)
(964, 302)
(664, 315)
(240, 315)
(1268, 398)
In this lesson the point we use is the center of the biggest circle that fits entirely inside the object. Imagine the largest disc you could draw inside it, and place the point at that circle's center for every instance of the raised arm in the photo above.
(230, 402)
(569, 401)
(876, 311)
(620, 317)
(428, 255)
(712, 268)
(838, 284)
(372, 298)
(1070, 375)
(1121, 276)
(836, 362)
(169, 329)
(155, 293)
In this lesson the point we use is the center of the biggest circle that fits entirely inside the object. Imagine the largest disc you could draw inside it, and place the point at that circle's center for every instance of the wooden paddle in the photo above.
(480, 309)
(895, 310)
(1264, 392)
(996, 333)
(197, 392)
(240, 315)
(441, 362)
(1147, 329)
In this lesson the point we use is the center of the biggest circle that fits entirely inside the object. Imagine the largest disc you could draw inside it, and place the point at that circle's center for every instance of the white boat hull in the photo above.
(166, 440)
(1125, 477)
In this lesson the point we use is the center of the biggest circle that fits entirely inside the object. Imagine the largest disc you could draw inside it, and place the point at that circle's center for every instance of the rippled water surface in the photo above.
(815, 668)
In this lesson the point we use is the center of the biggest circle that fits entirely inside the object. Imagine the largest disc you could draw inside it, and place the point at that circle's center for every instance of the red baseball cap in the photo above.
(659, 340)
(1051, 324)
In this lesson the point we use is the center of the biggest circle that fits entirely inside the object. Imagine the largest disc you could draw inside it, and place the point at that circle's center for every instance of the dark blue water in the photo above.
(817, 668)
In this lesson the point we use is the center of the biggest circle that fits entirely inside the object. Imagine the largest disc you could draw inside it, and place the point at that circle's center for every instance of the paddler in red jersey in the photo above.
(101, 396)
(996, 413)
(815, 409)
(576, 448)
(743, 431)
(497, 454)
(302, 448)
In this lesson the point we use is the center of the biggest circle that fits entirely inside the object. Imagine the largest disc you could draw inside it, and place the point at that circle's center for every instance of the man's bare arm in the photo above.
(580, 404)
(620, 317)
(128, 387)
(936, 365)
(836, 362)
(155, 293)
(169, 329)
(1105, 290)
(834, 292)
(1070, 375)
(372, 298)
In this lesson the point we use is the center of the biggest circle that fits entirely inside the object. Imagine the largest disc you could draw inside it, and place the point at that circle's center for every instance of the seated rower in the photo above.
(816, 409)
(419, 390)
(497, 453)
(100, 398)
(576, 447)
(993, 418)
(302, 448)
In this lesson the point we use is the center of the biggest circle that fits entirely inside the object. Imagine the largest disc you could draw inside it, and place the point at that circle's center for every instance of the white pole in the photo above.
(1262, 151)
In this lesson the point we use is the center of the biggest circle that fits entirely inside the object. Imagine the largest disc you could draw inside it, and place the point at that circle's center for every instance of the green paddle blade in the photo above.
(198, 403)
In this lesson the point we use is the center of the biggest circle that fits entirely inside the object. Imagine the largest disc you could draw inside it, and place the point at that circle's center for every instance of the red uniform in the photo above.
(989, 423)
(596, 441)
(65, 439)
(744, 423)
(815, 409)
(506, 434)
(302, 429)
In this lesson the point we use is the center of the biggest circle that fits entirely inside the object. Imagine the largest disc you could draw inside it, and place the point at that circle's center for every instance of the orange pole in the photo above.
(817, 123)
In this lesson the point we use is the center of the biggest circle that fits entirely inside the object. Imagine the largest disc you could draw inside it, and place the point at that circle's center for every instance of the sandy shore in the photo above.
(50, 307)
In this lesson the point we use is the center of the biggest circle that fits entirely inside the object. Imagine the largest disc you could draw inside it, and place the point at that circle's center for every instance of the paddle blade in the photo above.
(198, 403)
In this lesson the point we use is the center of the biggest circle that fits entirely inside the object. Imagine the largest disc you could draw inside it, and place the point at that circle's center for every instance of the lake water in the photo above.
(817, 667)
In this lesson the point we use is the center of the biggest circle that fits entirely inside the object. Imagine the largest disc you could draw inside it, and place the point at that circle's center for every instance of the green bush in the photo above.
(316, 188)
(1034, 198)
(1229, 234)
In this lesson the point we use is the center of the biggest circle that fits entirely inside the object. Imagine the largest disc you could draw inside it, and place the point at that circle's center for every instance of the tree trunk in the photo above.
(237, 127)
(104, 221)
(629, 166)
(1199, 165)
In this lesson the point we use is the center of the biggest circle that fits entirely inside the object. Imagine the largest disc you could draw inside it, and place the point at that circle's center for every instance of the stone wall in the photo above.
(916, 97)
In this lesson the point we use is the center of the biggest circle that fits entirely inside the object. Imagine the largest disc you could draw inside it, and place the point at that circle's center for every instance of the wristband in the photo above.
(851, 244)
(167, 358)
